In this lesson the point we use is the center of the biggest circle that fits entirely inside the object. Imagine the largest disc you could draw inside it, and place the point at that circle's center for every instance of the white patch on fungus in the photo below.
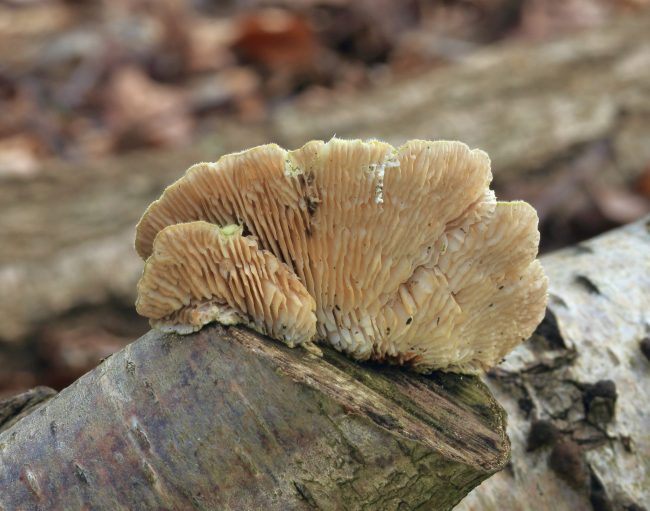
(378, 170)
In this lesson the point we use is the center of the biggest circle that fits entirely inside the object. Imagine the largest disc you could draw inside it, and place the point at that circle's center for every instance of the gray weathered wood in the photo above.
(597, 329)
(16, 407)
(225, 419)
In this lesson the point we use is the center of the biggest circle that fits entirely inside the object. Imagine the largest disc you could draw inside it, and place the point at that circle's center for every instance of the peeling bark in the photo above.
(577, 392)
(225, 419)
(17, 407)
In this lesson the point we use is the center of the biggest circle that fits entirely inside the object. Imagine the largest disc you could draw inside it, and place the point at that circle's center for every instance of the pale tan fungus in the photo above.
(406, 252)
(199, 273)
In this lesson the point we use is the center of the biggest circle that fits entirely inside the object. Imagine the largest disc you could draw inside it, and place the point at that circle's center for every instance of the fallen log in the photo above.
(576, 393)
(226, 419)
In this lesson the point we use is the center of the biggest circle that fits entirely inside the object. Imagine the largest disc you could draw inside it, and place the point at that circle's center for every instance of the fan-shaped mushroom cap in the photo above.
(404, 250)
(199, 273)
(485, 295)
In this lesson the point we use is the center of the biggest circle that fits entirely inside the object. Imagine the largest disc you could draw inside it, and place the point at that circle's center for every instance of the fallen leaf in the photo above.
(277, 39)
(18, 157)
(210, 41)
(227, 87)
(142, 111)
(643, 183)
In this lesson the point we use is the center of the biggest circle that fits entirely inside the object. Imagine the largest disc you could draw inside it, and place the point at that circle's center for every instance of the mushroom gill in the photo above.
(199, 273)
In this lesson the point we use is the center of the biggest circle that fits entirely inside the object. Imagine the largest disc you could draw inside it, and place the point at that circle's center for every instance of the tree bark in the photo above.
(225, 419)
(66, 235)
(17, 407)
(577, 392)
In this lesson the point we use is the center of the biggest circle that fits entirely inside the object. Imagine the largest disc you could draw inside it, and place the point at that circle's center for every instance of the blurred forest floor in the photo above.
(82, 80)
(86, 80)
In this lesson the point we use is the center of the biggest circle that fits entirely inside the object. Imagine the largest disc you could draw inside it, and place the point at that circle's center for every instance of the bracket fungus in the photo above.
(400, 255)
